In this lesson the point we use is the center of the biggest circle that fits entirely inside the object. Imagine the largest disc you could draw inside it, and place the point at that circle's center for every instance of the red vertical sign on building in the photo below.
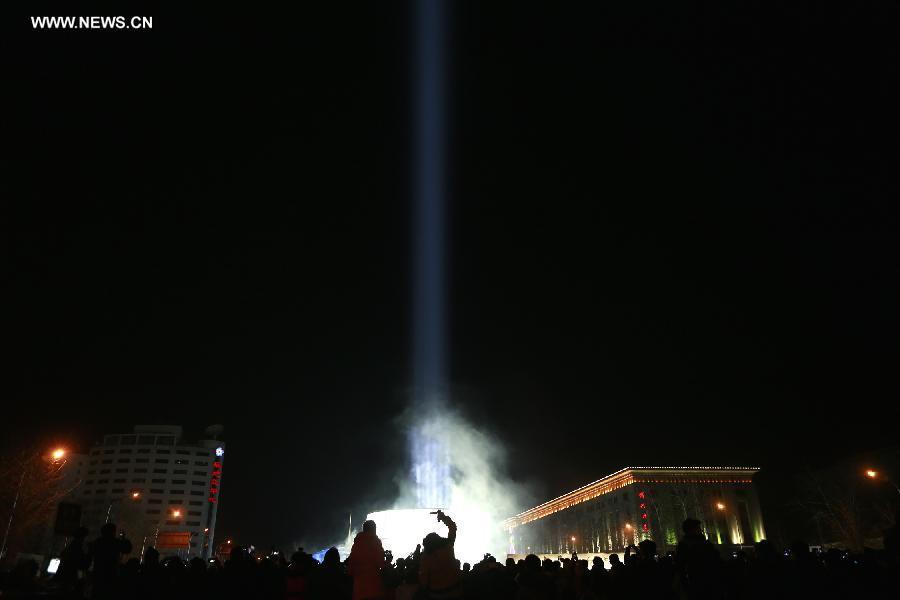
(642, 506)
(214, 481)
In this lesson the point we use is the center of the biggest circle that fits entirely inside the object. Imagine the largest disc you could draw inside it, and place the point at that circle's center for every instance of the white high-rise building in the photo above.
(159, 489)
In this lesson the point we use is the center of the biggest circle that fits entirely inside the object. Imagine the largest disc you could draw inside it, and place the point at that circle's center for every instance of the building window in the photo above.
(85, 492)
(181, 461)
(121, 470)
(200, 473)
(152, 511)
(154, 501)
(118, 491)
(163, 451)
(195, 503)
(108, 451)
(103, 471)
(99, 481)
(198, 483)
(193, 523)
(146, 439)
(139, 480)
(142, 460)
(107, 461)
(95, 452)
(178, 482)
(158, 480)
(201, 463)
(176, 491)
(159, 470)
(157, 491)
(124, 460)
(89, 482)
(161, 460)
(118, 481)
(194, 513)
(181, 451)
(179, 472)
(92, 472)
(197, 492)
(125, 451)
(202, 453)
(140, 470)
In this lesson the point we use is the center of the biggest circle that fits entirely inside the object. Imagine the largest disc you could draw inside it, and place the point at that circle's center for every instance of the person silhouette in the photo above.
(106, 555)
(438, 571)
(366, 562)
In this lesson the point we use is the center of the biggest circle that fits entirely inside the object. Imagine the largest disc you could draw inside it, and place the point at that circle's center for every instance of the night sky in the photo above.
(672, 238)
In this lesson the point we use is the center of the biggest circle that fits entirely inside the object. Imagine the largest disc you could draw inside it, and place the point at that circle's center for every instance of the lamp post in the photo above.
(878, 476)
(135, 495)
(57, 455)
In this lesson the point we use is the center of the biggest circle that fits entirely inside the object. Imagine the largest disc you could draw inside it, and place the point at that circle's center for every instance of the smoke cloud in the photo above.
(478, 495)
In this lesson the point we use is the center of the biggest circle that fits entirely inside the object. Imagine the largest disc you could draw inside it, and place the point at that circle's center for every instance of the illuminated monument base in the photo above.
(401, 529)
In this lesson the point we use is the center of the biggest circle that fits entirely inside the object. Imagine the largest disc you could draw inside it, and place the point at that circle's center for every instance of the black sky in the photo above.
(673, 238)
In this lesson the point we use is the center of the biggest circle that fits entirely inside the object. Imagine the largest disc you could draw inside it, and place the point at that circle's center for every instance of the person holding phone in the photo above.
(438, 573)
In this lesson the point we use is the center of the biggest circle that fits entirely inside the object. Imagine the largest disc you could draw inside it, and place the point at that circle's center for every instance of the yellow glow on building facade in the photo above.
(638, 503)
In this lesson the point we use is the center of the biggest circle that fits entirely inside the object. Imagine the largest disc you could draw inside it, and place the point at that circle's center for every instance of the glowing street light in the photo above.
(720, 506)
(135, 495)
(56, 455)
(876, 476)
(176, 513)
(573, 538)
(628, 526)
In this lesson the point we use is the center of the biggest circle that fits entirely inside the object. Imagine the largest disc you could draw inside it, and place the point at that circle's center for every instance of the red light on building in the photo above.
(214, 481)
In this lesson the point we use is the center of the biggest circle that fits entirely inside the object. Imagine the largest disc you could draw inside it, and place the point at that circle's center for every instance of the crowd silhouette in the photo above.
(696, 570)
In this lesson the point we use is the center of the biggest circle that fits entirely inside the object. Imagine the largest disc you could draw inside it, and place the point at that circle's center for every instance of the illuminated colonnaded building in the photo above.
(638, 503)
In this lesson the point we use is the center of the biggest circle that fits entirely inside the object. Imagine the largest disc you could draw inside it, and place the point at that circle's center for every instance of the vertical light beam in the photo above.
(430, 456)
(429, 199)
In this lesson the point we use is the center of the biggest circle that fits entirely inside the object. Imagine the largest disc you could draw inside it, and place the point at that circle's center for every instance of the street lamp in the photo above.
(57, 455)
(176, 513)
(135, 495)
(720, 506)
(878, 476)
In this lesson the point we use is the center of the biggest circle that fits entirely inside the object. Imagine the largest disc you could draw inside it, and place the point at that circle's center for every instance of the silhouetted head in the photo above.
(510, 562)
(614, 559)
(765, 550)
(108, 530)
(647, 548)
(466, 567)
(369, 527)
(332, 558)
(197, 565)
(432, 542)
(800, 550)
(151, 556)
(598, 562)
(691, 527)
